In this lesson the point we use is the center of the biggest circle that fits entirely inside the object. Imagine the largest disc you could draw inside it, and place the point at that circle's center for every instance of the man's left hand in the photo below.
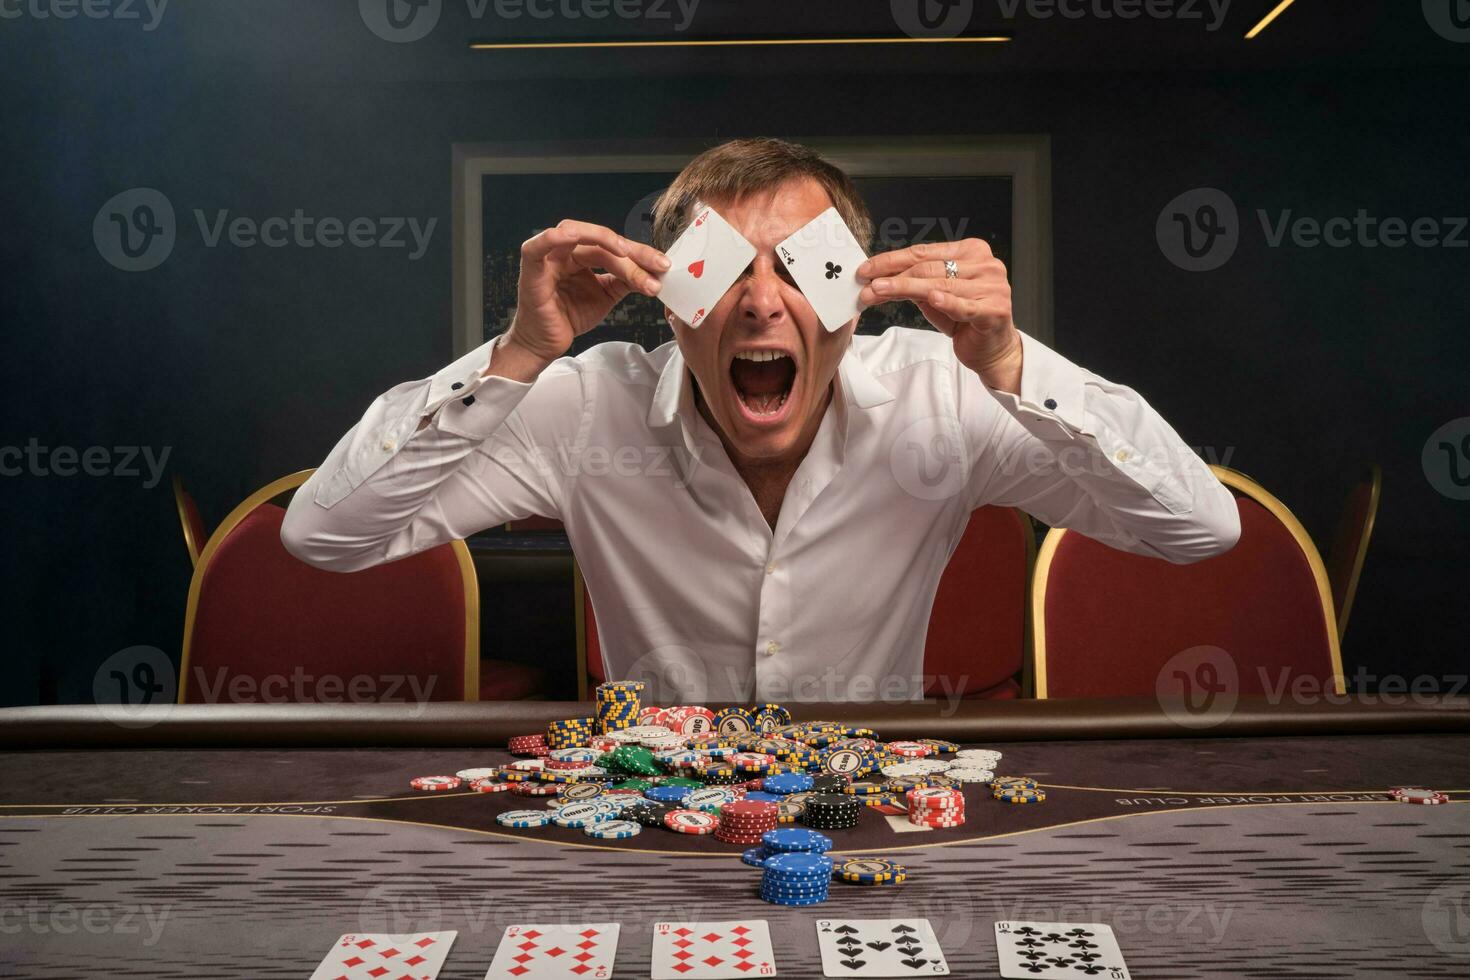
(973, 309)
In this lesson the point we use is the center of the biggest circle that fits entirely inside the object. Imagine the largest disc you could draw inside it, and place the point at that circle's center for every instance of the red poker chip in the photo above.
(749, 808)
(489, 786)
(433, 784)
(1419, 795)
(910, 750)
(691, 821)
(535, 789)
(567, 765)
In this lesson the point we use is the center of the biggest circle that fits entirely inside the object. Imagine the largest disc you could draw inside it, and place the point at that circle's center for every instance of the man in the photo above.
(763, 508)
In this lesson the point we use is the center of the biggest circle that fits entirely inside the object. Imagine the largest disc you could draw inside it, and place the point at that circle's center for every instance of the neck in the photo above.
(765, 469)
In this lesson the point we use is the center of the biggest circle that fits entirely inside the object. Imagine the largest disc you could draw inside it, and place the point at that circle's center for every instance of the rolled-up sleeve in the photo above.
(434, 460)
(1078, 451)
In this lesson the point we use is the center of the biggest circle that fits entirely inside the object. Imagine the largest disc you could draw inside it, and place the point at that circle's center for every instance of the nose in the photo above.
(761, 304)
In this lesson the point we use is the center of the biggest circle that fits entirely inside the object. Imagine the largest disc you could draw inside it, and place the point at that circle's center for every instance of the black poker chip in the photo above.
(649, 814)
(829, 782)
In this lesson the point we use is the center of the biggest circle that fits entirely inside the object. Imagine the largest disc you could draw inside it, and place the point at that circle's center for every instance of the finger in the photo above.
(906, 287)
(964, 309)
(893, 263)
(934, 269)
(625, 269)
(936, 318)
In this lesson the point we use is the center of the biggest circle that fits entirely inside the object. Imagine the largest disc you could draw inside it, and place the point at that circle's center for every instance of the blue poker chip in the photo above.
(755, 857)
(787, 783)
(524, 819)
(795, 840)
(765, 797)
(799, 865)
(667, 794)
(614, 830)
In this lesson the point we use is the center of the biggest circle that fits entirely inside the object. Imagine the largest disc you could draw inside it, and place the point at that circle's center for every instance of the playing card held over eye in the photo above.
(706, 261)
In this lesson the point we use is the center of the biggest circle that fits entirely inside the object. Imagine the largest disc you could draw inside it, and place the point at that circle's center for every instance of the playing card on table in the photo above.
(706, 261)
(1059, 950)
(556, 952)
(880, 948)
(711, 950)
(359, 956)
(823, 258)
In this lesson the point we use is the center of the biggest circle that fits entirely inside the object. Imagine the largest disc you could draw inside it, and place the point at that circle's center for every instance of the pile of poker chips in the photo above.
(746, 821)
(870, 871)
(832, 811)
(528, 744)
(1414, 794)
(1017, 789)
(569, 733)
(796, 878)
(786, 841)
(618, 704)
(936, 806)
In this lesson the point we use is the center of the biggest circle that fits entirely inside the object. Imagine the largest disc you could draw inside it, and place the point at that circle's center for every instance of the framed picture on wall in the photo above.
(993, 187)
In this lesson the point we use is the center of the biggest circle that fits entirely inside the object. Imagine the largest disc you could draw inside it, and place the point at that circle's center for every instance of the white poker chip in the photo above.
(977, 754)
(647, 731)
(670, 741)
(925, 767)
(480, 772)
(529, 765)
(575, 755)
(524, 818)
(622, 735)
(962, 774)
(905, 769)
(577, 815)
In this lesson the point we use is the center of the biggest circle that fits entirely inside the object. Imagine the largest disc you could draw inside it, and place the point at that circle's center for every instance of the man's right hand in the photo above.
(560, 297)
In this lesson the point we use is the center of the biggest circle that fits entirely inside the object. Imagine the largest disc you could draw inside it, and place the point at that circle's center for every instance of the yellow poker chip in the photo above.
(870, 871)
(1020, 796)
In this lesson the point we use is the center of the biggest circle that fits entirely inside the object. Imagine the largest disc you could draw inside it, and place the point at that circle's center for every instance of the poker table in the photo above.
(242, 840)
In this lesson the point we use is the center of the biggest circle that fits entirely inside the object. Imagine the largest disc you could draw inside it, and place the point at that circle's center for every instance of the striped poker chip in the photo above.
(910, 750)
(935, 798)
(964, 775)
(580, 792)
(433, 784)
(585, 755)
(1002, 782)
(1019, 795)
(480, 772)
(614, 830)
(1415, 794)
(870, 871)
(490, 785)
(523, 819)
(579, 815)
(691, 821)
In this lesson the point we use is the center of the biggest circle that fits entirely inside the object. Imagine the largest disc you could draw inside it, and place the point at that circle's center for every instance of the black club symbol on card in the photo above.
(833, 270)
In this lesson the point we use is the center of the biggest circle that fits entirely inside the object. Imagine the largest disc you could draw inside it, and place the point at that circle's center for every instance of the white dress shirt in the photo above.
(694, 593)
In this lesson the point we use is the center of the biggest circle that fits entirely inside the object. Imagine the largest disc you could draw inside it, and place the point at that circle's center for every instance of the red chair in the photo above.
(256, 612)
(193, 524)
(1350, 544)
(1106, 623)
(977, 628)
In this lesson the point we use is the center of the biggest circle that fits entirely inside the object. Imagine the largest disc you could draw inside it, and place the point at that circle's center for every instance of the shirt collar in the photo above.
(673, 397)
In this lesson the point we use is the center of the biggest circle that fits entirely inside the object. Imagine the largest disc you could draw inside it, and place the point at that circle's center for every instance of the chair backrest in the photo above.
(276, 628)
(1107, 623)
(977, 628)
(589, 649)
(1350, 543)
(193, 524)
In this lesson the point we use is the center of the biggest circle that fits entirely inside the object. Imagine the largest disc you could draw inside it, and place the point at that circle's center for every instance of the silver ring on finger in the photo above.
(951, 269)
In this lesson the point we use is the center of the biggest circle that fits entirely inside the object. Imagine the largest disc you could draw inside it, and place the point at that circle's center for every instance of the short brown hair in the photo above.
(730, 171)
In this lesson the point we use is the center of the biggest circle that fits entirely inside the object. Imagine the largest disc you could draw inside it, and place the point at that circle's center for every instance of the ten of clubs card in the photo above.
(359, 956)
(582, 951)
(880, 948)
(712, 950)
(1058, 950)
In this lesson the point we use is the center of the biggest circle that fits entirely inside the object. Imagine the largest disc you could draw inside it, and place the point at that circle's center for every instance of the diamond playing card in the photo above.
(880, 948)
(823, 258)
(712, 950)
(1059, 950)
(360, 956)
(582, 951)
(706, 261)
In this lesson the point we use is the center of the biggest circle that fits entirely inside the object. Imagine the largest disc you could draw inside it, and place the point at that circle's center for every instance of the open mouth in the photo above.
(763, 380)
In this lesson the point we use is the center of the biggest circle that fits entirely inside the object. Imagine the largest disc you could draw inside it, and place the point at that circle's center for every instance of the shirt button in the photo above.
(456, 386)
(1050, 403)
(772, 648)
(389, 445)
(771, 569)
(1122, 456)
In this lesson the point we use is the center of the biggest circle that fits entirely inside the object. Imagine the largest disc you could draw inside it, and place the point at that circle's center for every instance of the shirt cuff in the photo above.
(472, 404)
(1050, 405)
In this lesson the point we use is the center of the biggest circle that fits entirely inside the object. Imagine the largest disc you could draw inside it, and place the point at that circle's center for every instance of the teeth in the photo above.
(758, 355)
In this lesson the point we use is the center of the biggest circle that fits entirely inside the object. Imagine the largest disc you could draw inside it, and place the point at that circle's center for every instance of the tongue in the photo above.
(755, 378)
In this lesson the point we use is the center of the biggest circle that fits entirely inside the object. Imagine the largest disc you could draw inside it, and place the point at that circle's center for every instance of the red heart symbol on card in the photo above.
(696, 269)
